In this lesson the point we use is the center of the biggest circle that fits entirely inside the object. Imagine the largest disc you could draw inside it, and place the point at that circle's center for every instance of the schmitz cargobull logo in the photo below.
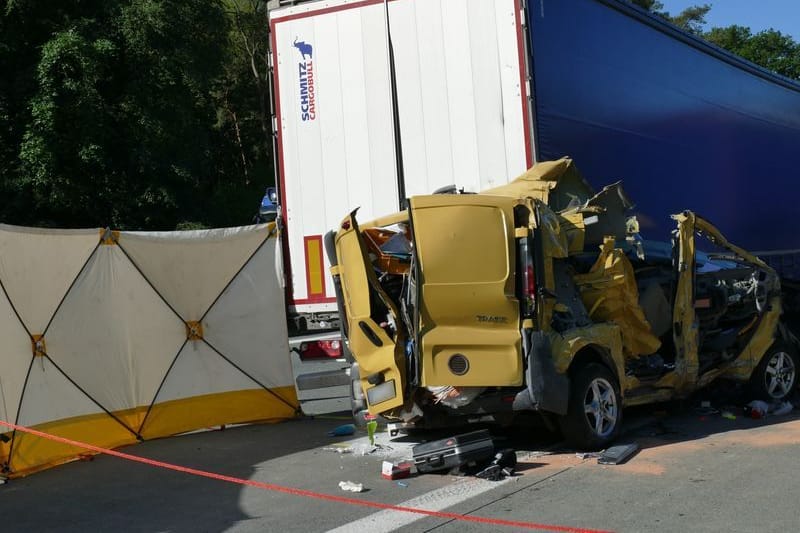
(308, 103)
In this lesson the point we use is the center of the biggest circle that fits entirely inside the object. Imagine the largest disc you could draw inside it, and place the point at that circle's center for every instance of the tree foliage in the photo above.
(770, 49)
(691, 19)
(117, 112)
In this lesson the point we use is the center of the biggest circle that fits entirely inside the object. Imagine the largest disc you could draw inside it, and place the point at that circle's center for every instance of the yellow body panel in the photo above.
(606, 336)
(610, 294)
(762, 339)
(685, 328)
(378, 354)
(468, 304)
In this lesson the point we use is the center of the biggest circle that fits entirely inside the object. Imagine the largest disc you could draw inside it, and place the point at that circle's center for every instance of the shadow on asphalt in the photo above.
(650, 426)
(685, 421)
(112, 494)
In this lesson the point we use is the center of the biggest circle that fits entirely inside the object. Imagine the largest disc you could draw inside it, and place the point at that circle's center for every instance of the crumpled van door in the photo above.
(684, 322)
(469, 331)
(379, 355)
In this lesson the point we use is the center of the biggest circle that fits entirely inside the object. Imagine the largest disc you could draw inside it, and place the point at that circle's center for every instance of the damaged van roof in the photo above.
(556, 183)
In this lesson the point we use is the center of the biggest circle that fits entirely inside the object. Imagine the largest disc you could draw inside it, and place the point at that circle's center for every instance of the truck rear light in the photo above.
(328, 349)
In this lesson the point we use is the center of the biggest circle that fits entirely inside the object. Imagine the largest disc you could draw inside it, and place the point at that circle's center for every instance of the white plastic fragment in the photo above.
(338, 449)
(758, 408)
(782, 409)
(351, 487)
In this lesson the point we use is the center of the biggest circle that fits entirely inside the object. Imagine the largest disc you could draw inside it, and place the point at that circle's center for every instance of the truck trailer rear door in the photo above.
(463, 113)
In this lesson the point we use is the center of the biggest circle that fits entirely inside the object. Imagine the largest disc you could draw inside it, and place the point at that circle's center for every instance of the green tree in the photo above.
(243, 111)
(771, 49)
(691, 19)
(130, 113)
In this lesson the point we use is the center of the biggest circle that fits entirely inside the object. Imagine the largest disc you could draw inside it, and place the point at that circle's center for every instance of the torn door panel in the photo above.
(610, 293)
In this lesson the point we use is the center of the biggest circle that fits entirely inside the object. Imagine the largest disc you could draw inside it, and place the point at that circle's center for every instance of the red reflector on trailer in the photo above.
(321, 349)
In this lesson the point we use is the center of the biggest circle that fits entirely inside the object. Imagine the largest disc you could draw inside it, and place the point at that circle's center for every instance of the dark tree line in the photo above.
(131, 113)
(154, 114)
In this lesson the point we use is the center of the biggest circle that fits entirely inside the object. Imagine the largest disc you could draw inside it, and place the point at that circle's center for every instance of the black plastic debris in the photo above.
(501, 466)
(616, 455)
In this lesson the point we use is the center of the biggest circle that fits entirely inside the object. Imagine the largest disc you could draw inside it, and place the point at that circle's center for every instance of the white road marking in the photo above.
(435, 500)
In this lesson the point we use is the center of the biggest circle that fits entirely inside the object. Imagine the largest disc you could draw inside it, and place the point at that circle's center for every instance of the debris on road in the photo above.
(705, 409)
(617, 455)
(757, 409)
(495, 473)
(351, 487)
(390, 470)
(760, 409)
(779, 409)
(342, 431)
(339, 448)
(587, 455)
(362, 449)
(502, 466)
(452, 453)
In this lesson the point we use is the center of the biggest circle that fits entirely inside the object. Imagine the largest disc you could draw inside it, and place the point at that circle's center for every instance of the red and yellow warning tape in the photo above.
(301, 492)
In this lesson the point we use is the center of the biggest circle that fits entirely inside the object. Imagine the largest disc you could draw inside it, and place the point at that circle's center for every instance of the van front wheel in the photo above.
(594, 415)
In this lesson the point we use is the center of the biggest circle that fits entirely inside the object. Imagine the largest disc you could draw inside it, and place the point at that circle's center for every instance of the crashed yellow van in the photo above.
(541, 295)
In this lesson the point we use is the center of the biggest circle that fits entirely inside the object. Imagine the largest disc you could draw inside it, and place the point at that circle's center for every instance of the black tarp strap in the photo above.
(211, 306)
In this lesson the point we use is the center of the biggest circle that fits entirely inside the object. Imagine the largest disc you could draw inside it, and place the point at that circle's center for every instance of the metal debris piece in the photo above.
(587, 455)
(617, 455)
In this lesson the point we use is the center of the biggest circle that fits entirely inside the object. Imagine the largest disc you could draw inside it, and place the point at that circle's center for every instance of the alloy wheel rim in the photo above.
(600, 407)
(779, 375)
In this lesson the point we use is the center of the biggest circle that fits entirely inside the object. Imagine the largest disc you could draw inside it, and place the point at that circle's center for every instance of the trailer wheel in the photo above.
(594, 415)
(776, 374)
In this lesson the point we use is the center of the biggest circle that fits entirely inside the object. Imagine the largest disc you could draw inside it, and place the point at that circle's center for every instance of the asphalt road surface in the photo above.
(696, 471)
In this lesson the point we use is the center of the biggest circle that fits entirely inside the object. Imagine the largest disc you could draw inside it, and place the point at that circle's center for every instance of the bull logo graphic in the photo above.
(303, 47)
(305, 71)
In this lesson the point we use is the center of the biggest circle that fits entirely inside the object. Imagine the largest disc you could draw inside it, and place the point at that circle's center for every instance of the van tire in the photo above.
(775, 377)
(594, 414)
